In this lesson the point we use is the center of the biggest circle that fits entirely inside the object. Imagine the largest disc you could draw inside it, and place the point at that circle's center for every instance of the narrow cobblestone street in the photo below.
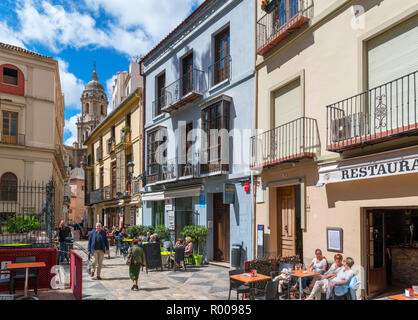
(205, 282)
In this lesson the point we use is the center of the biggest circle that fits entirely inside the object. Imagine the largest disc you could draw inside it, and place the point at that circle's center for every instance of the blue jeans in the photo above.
(63, 252)
(305, 281)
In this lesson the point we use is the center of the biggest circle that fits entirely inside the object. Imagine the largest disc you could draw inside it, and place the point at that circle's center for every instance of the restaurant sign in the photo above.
(337, 173)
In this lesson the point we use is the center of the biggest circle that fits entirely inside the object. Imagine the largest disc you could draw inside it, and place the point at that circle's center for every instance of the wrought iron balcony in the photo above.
(220, 71)
(184, 90)
(286, 18)
(18, 139)
(292, 141)
(162, 172)
(374, 116)
(214, 161)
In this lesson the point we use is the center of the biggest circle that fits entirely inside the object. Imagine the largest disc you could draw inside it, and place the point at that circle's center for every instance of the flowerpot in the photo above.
(128, 137)
(197, 259)
(113, 147)
(270, 7)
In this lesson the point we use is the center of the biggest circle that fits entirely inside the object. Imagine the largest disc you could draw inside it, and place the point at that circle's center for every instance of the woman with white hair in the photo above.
(343, 276)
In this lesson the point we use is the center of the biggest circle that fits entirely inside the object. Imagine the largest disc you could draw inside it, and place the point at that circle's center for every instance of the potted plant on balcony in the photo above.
(127, 133)
(198, 234)
(268, 5)
(113, 143)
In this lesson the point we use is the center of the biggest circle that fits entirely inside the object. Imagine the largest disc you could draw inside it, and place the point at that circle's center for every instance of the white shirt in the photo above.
(333, 269)
(318, 266)
(343, 275)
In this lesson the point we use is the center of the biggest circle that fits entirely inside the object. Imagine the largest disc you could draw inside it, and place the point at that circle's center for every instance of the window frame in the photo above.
(11, 191)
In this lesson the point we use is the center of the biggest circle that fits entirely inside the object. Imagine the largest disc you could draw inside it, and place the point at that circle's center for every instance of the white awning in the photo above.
(153, 196)
(183, 193)
(179, 193)
(355, 169)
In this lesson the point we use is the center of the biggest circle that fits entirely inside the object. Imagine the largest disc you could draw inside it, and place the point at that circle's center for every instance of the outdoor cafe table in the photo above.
(27, 266)
(302, 274)
(247, 278)
(404, 297)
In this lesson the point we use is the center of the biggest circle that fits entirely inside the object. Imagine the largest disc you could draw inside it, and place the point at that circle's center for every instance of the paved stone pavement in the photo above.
(197, 283)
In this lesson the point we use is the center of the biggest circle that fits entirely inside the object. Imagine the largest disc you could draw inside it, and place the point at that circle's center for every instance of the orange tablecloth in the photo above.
(303, 274)
(403, 297)
(248, 279)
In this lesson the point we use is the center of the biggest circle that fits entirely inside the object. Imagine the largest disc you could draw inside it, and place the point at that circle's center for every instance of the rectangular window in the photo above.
(10, 76)
(9, 127)
(187, 73)
(215, 118)
(161, 96)
(155, 155)
(158, 213)
(221, 63)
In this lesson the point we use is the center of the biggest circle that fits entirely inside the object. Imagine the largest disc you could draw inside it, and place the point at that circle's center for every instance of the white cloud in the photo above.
(132, 28)
(71, 127)
(71, 86)
(9, 36)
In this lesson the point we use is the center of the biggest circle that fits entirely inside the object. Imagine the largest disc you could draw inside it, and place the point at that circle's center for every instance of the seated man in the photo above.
(321, 282)
(343, 277)
(179, 243)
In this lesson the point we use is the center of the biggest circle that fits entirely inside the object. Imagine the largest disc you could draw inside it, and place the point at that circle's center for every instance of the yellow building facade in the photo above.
(32, 122)
(335, 158)
(112, 191)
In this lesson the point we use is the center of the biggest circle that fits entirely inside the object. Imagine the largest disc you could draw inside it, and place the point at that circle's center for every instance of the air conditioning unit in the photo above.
(348, 127)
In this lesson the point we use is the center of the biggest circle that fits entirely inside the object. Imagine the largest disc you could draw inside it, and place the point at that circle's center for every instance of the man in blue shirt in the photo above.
(98, 245)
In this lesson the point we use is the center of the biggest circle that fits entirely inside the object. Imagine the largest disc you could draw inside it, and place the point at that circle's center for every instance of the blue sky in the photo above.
(78, 33)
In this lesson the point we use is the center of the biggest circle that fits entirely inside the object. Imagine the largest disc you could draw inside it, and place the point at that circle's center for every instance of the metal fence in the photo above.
(27, 215)
(375, 115)
(291, 141)
(287, 16)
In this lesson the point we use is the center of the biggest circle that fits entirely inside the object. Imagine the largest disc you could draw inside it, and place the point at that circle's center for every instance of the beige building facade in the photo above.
(113, 194)
(335, 158)
(30, 95)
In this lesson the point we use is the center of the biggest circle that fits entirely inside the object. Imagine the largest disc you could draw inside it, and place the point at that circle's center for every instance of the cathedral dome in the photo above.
(94, 84)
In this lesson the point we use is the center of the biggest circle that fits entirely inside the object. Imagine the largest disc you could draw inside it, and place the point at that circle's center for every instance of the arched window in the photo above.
(87, 108)
(11, 80)
(8, 186)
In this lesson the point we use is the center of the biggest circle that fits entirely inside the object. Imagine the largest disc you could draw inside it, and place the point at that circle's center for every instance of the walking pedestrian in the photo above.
(136, 258)
(63, 233)
(97, 246)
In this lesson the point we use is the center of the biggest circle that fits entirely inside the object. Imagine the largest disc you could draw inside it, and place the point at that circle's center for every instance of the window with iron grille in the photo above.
(161, 96)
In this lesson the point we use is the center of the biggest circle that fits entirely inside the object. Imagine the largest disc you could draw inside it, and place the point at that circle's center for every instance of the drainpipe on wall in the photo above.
(254, 231)
(143, 130)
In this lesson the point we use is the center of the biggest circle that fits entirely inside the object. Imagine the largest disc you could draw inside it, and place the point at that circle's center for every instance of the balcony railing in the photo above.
(283, 20)
(220, 71)
(292, 141)
(374, 116)
(189, 168)
(18, 139)
(162, 172)
(184, 90)
(102, 194)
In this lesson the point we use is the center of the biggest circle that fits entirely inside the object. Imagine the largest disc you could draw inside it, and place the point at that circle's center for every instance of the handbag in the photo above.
(89, 265)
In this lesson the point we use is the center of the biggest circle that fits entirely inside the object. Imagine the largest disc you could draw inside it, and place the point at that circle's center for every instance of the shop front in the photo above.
(374, 202)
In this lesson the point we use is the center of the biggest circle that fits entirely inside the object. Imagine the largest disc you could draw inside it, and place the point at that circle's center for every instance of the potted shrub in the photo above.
(198, 234)
(163, 233)
(127, 133)
(22, 226)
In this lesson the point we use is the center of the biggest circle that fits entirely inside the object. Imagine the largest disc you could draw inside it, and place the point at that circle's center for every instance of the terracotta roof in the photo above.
(198, 9)
(18, 49)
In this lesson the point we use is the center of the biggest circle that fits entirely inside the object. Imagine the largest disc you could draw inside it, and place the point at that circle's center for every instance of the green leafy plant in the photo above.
(22, 224)
(162, 231)
(197, 233)
(126, 129)
(264, 4)
(133, 231)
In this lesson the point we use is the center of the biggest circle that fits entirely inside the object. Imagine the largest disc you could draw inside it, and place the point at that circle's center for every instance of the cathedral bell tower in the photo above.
(94, 108)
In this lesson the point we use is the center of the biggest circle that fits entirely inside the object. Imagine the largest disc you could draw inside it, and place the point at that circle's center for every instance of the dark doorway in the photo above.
(187, 68)
(220, 228)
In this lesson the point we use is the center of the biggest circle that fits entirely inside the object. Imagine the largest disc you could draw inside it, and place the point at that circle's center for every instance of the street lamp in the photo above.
(131, 166)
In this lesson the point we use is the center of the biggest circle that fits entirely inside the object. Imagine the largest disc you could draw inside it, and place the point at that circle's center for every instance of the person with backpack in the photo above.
(136, 258)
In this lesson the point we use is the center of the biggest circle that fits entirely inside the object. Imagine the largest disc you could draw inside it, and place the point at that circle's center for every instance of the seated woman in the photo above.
(179, 243)
(343, 276)
(188, 249)
(321, 282)
(318, 264)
